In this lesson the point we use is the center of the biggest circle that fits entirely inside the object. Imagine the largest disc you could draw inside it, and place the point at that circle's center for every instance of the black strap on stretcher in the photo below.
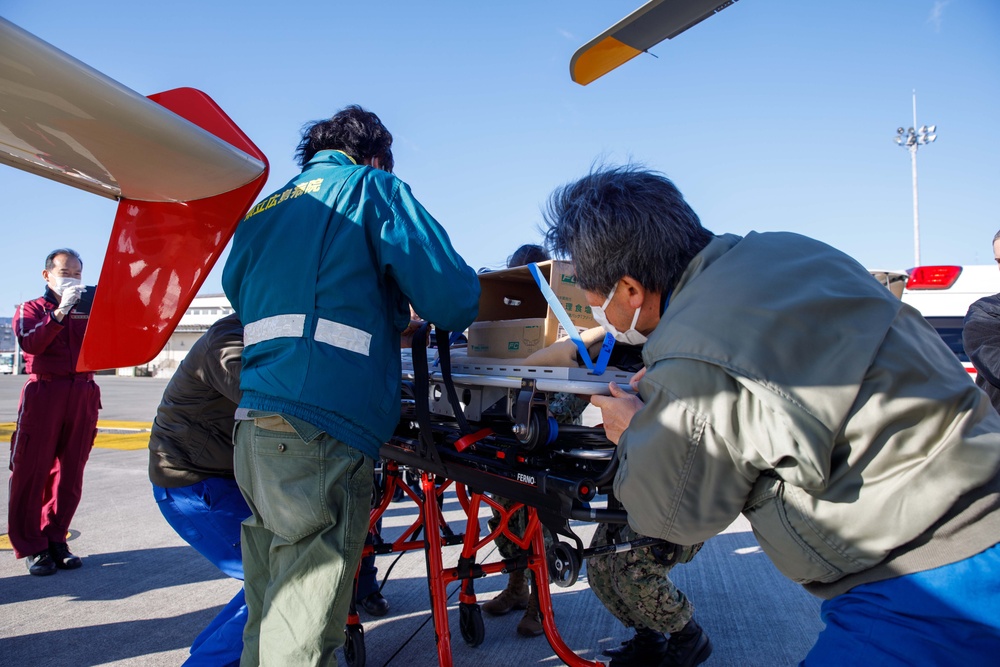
(421, 396)
(421, 389)
(444, 354)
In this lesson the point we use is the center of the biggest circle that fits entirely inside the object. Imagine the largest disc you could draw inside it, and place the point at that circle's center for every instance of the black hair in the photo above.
(527, 254)
(624, 221)
(50, 261)
(353, 130)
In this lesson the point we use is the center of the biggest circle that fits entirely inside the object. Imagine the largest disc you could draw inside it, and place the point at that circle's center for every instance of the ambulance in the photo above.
(943, 295)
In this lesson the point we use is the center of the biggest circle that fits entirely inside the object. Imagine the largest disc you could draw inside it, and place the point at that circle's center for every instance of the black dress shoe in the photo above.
(40, 564)
(375, 604)
(62, 558)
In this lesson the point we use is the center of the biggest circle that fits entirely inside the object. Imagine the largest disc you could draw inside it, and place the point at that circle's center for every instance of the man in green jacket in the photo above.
(782, 382)
(322, 274)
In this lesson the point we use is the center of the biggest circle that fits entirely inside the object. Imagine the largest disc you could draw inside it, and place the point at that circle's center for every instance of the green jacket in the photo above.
(785, 383)
(322, 274)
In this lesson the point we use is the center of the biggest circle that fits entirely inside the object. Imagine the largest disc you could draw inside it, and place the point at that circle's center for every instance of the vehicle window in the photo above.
(950, 330)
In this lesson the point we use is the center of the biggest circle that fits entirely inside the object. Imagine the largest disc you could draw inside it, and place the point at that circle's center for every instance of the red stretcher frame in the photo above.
(431, 521)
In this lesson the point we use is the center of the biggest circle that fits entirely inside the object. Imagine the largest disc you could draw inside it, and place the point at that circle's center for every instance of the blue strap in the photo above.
(567, 324)
(604, 355)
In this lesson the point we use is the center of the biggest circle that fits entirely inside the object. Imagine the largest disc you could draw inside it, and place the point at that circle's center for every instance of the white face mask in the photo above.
(60, 283)
(629, 337)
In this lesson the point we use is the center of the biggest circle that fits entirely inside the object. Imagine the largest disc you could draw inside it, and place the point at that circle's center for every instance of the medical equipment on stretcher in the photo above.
(485, 427)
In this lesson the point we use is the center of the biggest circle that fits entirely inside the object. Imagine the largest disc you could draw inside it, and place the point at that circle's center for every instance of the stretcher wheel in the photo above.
(354, 646)
(564, 565)
(536, 433)
(470, 622)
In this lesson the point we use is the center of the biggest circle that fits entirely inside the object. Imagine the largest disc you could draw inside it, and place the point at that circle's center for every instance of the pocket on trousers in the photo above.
(175, 506)
(288, 484)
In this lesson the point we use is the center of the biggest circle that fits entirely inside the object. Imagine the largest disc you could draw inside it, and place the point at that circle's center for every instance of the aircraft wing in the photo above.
(641, 30)
(183, 172)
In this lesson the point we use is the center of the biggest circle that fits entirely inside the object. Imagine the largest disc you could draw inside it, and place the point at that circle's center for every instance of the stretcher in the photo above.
(484, 427)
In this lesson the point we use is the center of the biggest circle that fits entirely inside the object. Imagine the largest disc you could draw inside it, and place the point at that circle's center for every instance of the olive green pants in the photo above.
(309, 495)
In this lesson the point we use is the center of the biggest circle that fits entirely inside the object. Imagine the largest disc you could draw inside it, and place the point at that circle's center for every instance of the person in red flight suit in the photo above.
(56, 419)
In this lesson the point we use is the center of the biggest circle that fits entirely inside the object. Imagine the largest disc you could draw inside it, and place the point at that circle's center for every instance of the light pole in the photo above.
(911, 139)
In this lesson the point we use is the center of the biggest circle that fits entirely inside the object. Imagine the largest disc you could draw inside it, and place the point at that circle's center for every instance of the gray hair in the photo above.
(996, 237)
(624, 221)
(50, 261)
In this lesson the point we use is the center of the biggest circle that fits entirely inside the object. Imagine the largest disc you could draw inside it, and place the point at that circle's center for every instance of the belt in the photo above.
(75, 377)
(294, 326)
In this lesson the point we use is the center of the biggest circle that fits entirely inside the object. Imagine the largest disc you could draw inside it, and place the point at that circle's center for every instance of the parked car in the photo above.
(943, 295)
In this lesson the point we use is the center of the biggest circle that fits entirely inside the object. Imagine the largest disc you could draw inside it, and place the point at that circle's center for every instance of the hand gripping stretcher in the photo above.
(485, 426)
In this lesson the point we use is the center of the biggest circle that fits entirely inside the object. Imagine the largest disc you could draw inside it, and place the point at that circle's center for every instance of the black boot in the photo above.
(687, 647)
(647, 647)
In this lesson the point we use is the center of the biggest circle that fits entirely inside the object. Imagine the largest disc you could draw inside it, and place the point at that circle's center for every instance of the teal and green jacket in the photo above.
(322, 274)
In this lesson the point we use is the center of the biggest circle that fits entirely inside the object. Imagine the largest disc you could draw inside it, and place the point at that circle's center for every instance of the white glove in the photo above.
(70, 297)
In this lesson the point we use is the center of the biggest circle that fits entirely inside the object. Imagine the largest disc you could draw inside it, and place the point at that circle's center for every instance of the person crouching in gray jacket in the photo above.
(784, 383)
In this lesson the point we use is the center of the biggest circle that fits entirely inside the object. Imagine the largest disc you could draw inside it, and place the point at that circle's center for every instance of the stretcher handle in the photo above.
(608, 476)
(599, 515)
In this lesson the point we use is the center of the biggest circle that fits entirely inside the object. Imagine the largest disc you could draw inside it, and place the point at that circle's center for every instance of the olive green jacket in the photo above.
(785, 383)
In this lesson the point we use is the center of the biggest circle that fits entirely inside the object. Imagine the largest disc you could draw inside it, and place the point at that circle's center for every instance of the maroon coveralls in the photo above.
(56, 425)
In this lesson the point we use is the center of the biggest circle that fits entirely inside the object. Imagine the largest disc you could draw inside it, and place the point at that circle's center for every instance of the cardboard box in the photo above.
(514, 318)
(506, 339)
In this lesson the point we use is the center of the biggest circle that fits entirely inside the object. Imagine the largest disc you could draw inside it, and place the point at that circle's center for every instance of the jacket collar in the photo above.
(715, 249)
(335, 157)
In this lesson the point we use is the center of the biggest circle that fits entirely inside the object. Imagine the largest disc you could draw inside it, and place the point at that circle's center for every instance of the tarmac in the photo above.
(143, 594)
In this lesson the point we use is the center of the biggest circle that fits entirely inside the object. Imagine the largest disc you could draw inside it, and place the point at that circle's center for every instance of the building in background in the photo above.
(7, 346)
(203, 312)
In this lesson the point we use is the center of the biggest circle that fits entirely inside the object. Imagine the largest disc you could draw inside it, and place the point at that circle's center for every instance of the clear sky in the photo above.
(773, 115)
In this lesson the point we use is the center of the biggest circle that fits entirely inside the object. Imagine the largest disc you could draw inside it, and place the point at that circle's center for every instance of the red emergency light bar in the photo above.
(933, 277)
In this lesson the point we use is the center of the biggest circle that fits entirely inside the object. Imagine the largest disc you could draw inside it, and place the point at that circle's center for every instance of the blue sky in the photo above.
(773, 115)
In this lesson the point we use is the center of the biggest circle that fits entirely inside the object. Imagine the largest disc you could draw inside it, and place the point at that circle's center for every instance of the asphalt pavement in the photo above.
(143, 594)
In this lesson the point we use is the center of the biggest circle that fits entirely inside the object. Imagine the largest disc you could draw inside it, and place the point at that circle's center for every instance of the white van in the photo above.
(943, 295)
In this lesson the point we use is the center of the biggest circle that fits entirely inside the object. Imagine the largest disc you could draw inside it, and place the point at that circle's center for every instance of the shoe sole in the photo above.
(76, 565)
(378, 613)
(504, 611)
(701, 656)
(530, 633)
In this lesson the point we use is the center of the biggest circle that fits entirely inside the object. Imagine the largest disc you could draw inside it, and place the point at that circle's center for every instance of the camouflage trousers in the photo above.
(517, 524)
(635, 587)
